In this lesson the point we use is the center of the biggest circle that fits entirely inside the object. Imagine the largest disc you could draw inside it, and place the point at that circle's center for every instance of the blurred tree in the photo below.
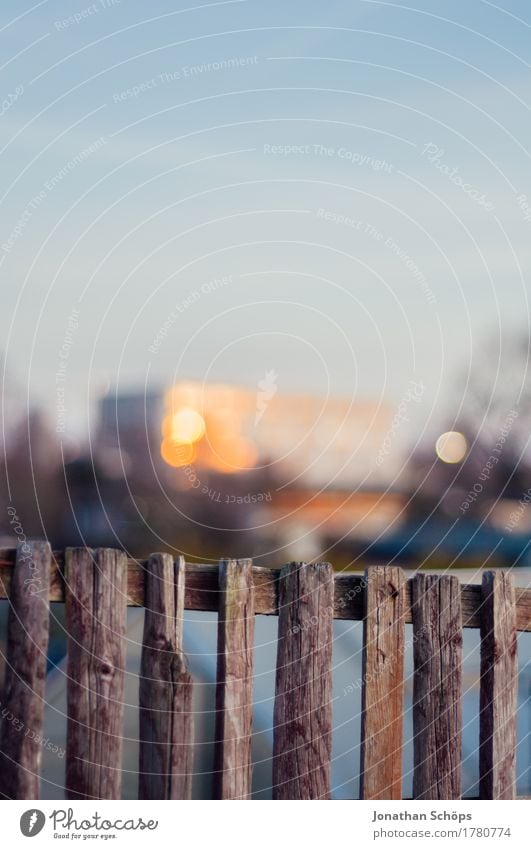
(497, 385)
(492, 403)
(31, 478)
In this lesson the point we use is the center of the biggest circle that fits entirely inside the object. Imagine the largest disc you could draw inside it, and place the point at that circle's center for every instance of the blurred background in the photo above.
(265, 278)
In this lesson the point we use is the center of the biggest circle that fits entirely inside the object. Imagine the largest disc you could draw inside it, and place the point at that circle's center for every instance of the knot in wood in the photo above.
(392, 591)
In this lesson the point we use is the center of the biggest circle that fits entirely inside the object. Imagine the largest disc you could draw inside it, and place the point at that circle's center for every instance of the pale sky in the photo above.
(350, 173)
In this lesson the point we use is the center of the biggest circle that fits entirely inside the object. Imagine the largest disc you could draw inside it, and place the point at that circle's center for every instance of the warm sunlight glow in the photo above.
(233, 455)
(177, 454)
(186, 425)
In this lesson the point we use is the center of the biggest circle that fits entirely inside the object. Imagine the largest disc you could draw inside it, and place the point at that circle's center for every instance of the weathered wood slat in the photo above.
(22, 702)
(202, 592)
(383, 684)
(498, 688)
(96, 608)
(234, 686)
(302, 724)
(437, 653)
(166, 687)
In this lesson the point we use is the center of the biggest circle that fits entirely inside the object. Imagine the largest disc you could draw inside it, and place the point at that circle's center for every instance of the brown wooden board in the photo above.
(437, 654)
(166, 687)
(498, 688)
(383, 684)
(302, 724)
(96, 607)
(22, 703)
(234, 687)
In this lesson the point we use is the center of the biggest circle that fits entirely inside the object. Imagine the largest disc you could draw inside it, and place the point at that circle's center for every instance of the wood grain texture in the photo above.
(96, 607)
(498, 688)
(234, 684)
(166, 687)
(22, 701)
(202, 591)
(302, 724)
(437, 654)
(383, 684)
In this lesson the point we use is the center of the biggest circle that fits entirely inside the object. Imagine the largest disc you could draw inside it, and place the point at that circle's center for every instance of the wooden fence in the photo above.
(98, 585)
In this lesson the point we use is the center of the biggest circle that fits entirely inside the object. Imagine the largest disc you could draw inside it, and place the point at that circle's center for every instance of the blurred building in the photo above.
(309, 440)
(290, 468)
(128, 428)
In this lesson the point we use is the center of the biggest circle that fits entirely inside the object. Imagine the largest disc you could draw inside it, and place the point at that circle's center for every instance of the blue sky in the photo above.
(350, 172)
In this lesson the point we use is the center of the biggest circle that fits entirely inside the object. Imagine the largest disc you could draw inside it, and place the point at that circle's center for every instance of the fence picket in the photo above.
(383, 683)
(437, 652)
(98, 585)
(498, 688)
(234, 687)
(303, 712)
(165, 695)
(27, 649)
(96, 606)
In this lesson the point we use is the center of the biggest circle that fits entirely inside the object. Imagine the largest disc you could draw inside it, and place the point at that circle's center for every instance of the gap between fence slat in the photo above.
(437, 654)
(302, 723)
(234, 685)
(96, 608)
(498, 688)
(21, 730)
(166, 687)
(383, 684)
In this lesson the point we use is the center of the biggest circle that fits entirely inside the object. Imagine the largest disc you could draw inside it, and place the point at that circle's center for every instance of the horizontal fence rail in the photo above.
(98, 585)
(202, 591)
